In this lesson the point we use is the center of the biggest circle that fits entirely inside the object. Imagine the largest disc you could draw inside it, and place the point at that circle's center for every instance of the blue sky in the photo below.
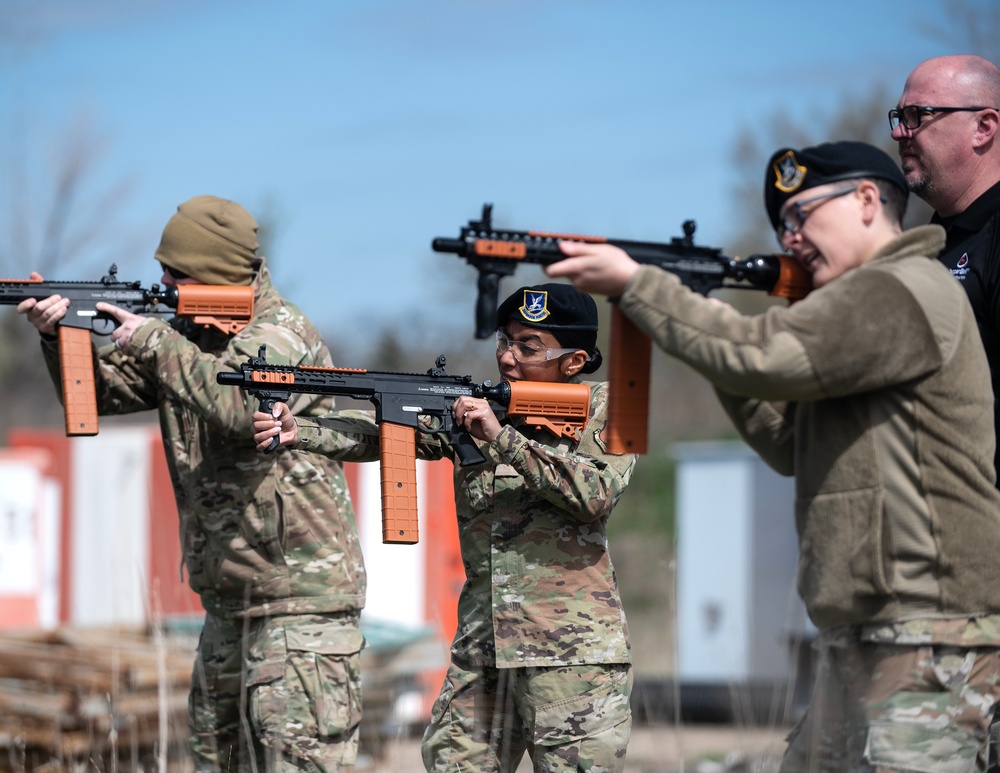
(368, 128)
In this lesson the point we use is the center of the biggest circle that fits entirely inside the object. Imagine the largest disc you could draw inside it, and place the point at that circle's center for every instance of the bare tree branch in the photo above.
(973, 28)
(56, 215)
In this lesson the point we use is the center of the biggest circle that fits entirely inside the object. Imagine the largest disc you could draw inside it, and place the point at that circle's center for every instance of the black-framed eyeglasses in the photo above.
(795, 215)
(173, 272)
(911, 115)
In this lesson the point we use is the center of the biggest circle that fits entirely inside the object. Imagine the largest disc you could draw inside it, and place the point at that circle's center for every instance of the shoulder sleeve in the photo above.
(120, 386)
(354, 436)
(839, 340)
(183, 372)
(882, 326)
(348, 436)
(586, 481)
(767, 427)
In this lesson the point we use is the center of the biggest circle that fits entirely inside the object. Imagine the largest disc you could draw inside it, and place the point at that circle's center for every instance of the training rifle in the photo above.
(227, 308)
(497, 252)
(401, 400)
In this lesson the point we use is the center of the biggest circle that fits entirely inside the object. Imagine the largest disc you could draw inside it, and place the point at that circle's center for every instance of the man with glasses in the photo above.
(874, 392)
(541, 661)
(269, 542)
(946, 124)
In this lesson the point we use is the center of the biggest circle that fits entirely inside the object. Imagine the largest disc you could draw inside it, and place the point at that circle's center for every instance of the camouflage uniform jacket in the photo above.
(874, 392)
(540, 587)
(261, 534)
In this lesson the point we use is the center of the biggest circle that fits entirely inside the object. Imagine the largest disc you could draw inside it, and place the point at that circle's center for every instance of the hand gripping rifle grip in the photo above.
(266, 398)
(465, 445)
(266, 406)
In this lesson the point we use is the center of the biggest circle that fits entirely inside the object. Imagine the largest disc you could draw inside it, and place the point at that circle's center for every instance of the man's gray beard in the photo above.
(920, 186)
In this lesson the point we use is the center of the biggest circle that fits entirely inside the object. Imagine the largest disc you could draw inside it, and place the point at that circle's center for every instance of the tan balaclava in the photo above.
(212, 240)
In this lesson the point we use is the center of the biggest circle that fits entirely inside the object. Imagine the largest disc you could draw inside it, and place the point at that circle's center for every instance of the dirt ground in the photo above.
(690, 748)
(652, 749)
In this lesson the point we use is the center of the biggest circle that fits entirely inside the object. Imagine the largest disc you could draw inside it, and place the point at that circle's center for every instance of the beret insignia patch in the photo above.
(535, 307)
(788, 173)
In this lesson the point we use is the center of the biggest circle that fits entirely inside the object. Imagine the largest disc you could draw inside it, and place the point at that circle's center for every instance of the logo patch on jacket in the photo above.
(961, 269)
(535, 307)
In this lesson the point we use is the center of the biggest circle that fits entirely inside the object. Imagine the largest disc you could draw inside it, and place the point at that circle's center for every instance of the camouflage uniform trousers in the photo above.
(567, 718)
(891, 707)
(276, 694)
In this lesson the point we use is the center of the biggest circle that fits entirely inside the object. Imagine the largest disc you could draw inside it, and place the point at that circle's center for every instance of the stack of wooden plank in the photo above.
(93, 694)
(108, 699)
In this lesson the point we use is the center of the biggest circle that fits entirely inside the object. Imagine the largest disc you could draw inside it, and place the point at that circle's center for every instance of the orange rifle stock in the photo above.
(227, 308)
(563, 409)
(400, 400)
(497, 252)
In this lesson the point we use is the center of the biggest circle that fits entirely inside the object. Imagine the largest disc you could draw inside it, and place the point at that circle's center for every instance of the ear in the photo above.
(987, 125)
(871, 200)
(571, 364)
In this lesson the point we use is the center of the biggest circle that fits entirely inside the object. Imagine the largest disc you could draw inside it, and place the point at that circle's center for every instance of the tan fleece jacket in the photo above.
(875, 393)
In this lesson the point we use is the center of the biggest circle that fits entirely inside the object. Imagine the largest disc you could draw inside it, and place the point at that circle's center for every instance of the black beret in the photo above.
(791, 171)
(553, 306)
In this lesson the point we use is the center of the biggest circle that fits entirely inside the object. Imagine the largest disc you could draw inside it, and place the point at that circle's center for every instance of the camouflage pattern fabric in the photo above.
(540, 591)
(960, 631)
(887, 706)
(295, 681)
(568, 718)
(262, 535)
(540, 586)
(214, 703)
